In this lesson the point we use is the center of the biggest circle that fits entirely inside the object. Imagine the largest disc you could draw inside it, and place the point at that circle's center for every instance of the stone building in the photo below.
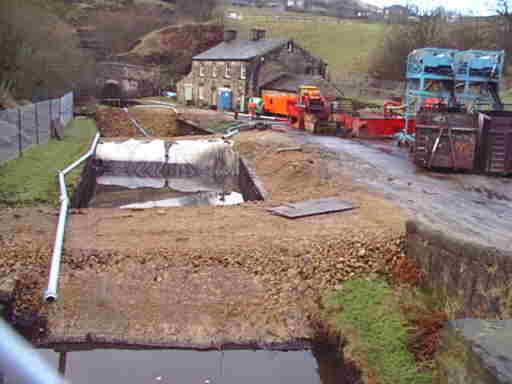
(396, 14)
(242, 67)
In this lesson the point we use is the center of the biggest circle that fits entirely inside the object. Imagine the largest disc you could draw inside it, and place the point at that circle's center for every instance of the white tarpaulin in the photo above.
(212, 156)
(132, 150)
(131, 182)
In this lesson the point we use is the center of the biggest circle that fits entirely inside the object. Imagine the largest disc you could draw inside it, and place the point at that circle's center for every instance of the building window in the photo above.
(227, 72)
(214, 70)
(201, 92)
(201, 69)
(243, 71)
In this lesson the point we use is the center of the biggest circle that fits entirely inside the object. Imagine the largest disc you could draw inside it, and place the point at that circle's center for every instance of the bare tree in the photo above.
(39, 51)
(199, 10)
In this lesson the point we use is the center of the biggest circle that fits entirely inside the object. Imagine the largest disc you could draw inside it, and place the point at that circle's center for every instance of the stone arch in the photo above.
(112, 90)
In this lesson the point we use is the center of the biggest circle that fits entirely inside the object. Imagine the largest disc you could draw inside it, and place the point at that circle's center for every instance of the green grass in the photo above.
(369, 311)
(32, 179)
(346, 46)
(506, 97)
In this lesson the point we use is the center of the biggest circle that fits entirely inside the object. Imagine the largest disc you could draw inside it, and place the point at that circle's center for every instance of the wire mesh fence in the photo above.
(24, 127)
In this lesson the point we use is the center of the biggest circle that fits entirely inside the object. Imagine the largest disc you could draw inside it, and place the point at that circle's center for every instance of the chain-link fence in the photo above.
(33, 124)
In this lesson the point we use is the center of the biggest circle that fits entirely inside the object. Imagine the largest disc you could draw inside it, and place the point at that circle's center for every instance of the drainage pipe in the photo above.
(261, 117)
(50, 294)
(136, 123)
(160, 106)
(18, 357)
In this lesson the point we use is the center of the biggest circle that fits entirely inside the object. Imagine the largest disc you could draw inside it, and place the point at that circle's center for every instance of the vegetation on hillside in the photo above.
(40, 54)
(346, 45)
(434, 29)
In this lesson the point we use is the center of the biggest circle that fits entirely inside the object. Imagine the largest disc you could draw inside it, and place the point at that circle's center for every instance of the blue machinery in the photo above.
(457, 79)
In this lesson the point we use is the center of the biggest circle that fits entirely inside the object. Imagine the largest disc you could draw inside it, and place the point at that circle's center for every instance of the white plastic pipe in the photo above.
(17, 356)
(134, 122)
(50, 294)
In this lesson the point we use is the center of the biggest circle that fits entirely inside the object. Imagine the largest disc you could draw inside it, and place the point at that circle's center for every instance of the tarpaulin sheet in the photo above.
(10, 115)
(191, 157)
(28, 126)
(132, 150)
(9, 147)
(35, 124)
(55, 109)
(131, 182)
(67, 108)
(43, 116)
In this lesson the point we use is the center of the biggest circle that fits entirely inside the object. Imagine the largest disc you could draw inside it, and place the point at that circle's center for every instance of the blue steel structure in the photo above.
(477, 77)
(458, 79)
(430, 74)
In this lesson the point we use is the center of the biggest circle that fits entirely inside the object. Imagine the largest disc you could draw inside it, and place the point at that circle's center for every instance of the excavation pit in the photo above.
(138, 174)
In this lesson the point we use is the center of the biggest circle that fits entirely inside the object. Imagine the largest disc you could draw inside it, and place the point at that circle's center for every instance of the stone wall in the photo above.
(250, 185)
(210, 84)
(260, 70)
(469, 279)
(289, 58)
(474, 351)
(132, 80)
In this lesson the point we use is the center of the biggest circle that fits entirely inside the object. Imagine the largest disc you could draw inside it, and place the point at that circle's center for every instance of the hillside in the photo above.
(346, 44)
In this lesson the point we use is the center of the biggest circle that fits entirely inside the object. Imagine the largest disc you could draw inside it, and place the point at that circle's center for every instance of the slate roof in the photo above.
(290, 82)
(240, 49)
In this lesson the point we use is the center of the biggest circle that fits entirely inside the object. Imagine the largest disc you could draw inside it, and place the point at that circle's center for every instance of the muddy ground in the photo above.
(207, 276)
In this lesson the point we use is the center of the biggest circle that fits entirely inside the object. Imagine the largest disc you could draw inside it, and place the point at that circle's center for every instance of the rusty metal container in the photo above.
(464, 133)
(495, 142)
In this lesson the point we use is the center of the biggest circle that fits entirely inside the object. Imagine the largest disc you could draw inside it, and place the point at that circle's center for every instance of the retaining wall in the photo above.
(472, 282)
(250, 185)
(470, 279)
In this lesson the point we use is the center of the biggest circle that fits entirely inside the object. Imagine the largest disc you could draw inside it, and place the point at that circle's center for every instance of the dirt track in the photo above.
(208, 276)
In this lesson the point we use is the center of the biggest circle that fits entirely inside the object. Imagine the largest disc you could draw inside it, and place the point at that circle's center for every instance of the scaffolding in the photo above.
(453, 80)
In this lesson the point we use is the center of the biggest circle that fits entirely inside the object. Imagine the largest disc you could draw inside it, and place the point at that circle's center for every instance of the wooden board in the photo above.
(312, 207)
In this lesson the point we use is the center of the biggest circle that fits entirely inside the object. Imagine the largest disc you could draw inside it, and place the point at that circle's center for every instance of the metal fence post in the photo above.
(51, 120)
(20, 144)
(37, 122)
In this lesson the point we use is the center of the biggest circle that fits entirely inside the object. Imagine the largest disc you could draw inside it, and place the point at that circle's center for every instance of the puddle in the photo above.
(152, 174)
(200, 198)
(114, 190)
(191, 367)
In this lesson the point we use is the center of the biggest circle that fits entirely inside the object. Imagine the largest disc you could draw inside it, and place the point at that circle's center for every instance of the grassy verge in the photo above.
(369, 314)
(32, 180)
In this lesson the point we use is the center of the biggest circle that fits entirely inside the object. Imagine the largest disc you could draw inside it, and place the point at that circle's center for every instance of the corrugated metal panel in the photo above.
(460, 154)
(496, 142)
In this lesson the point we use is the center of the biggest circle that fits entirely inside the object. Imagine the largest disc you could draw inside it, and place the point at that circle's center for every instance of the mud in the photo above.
(474, 206)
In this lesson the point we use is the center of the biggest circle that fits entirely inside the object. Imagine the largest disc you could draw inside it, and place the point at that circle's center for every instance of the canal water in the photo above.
(184, 367)
(128, 191)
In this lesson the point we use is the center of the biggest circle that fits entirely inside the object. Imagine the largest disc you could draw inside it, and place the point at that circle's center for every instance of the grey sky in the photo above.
(483, 7)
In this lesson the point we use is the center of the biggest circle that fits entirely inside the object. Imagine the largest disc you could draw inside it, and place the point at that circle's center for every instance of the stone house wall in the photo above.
(205, 86)
(292, 59)
(260, 70)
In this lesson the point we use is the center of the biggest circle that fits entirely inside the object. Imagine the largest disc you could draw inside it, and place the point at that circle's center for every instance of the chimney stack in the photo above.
(257, 34)
(229, 35)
